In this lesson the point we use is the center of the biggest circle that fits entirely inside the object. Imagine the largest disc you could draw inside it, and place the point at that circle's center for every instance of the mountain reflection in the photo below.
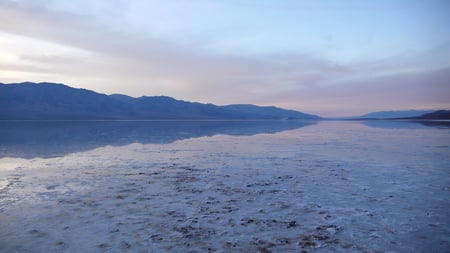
(406, 124)
(54, 139)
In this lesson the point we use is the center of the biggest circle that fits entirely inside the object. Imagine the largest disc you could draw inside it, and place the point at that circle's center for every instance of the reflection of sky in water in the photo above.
(381, 142)
(273, 145)
(53, 139)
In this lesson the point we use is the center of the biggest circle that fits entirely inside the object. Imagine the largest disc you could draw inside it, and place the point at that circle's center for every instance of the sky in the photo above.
(326, 57)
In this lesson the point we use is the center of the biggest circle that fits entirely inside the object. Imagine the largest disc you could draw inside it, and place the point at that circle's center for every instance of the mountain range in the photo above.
(407, 115)
(435, 115)
(52, 101)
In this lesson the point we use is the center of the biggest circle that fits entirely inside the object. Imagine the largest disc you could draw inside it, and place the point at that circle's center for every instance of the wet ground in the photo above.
(327, 187)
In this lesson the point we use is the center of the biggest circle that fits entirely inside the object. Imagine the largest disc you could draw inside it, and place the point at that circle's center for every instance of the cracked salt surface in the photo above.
(330, 187)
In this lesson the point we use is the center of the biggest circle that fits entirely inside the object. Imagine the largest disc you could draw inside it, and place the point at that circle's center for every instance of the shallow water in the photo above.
(374, 186)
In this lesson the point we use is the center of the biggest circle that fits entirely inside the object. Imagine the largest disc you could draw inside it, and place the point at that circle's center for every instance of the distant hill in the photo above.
(51, 101)
(394, 114)
(436, 115)
(268, 111)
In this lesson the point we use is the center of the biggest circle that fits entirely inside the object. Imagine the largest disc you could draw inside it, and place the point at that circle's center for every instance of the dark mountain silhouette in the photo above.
(436, 115)
(415, 115)
(50, 101)
(56, 101)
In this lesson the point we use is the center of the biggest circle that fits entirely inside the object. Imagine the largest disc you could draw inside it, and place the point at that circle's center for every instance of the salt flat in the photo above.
(325, 187)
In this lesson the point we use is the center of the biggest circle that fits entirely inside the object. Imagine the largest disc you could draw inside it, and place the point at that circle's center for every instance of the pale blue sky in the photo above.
(326, 57)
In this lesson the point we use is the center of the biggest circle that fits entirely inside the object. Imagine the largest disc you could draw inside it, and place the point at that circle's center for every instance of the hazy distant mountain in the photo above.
(270, 111)
(50, 101)
(394, 114)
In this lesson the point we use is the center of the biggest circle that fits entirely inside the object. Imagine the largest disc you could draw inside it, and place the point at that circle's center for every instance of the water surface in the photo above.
(375, 186)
